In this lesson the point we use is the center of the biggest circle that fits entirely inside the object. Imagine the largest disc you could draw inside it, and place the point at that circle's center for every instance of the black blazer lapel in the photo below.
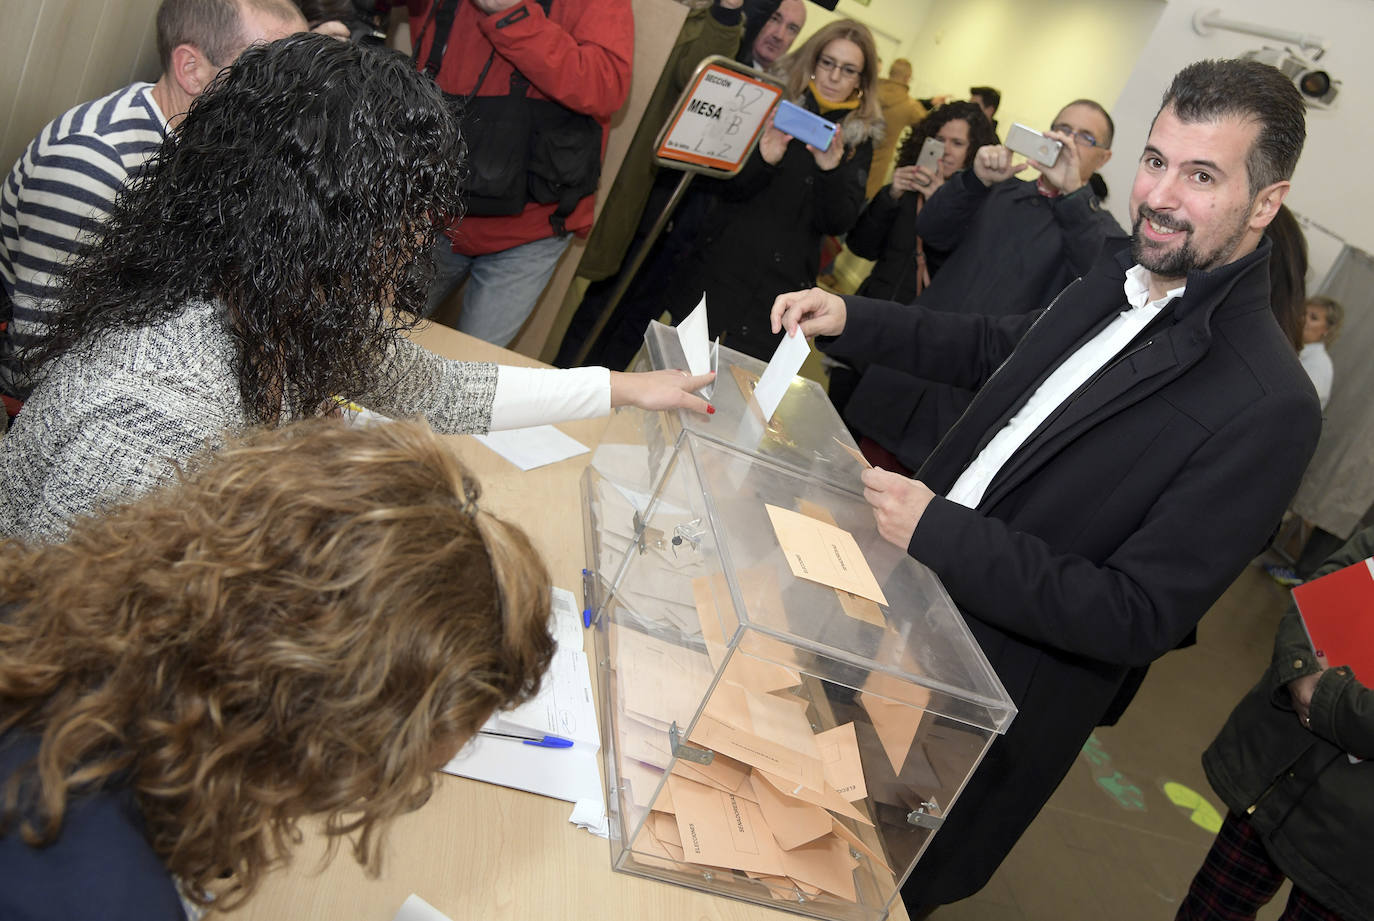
(1140, 372)
(1080, 309)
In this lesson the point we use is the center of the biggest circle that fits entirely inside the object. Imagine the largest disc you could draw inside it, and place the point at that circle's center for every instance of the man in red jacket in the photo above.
(575, 53)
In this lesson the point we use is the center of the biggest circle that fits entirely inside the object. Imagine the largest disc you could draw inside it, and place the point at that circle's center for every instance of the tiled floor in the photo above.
(1100, 851)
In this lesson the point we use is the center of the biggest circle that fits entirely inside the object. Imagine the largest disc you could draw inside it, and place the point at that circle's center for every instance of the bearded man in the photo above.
(1130, 447)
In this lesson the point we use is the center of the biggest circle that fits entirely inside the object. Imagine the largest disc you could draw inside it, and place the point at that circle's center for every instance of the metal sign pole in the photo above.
(713, 129)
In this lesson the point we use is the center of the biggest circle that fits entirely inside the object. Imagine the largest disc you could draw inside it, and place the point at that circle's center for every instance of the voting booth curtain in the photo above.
(1338, 490)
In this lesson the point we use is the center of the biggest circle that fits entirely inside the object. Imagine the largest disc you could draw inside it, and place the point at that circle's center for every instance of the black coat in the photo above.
(902, 413)
(886, 232)
(1313, 806)
(1011, 249)
(1104, 539)
(764, 239)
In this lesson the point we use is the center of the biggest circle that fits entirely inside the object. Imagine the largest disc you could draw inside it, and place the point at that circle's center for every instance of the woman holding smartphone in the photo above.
(886, 230)
(765, 237)
(896, 418)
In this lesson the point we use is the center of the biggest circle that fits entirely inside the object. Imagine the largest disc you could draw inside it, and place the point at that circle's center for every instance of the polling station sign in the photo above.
(718, 118)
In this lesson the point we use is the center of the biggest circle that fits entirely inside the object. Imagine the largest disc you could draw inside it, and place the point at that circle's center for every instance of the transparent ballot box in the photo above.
(769, 737)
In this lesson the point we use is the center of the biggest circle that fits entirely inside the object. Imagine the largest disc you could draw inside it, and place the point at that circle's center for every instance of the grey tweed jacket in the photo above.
(107, 422)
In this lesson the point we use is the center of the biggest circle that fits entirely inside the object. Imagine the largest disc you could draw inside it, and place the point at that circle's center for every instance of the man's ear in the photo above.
(1267, 204)
(192, 69)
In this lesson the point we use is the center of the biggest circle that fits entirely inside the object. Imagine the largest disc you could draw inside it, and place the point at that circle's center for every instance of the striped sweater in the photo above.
(60, 189)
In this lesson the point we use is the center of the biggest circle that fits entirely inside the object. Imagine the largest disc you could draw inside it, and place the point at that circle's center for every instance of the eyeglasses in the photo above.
(848, 71)
(1083, 137)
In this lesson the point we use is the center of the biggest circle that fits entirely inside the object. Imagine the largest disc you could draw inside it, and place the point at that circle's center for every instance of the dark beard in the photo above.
(1177, 263)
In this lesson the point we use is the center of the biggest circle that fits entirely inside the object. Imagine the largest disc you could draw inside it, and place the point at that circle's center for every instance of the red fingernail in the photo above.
(710, 410)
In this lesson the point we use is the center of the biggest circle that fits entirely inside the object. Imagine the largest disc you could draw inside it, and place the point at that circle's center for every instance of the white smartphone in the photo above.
(931, 152)
(1033, 145)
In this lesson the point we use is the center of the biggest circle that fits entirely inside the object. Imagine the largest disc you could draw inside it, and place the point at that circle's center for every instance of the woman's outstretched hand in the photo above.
(660, 390)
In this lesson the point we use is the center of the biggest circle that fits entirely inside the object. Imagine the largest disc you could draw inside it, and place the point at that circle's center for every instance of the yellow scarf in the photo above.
(826, 106)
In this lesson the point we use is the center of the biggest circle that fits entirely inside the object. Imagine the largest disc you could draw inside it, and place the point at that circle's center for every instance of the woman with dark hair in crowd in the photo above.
(272, 257)
(886, 230)
(890, 404)
(309, 624)
(765, 236)
(1288, 273)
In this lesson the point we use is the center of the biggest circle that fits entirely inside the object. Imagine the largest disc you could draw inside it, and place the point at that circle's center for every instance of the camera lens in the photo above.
(1315, 83)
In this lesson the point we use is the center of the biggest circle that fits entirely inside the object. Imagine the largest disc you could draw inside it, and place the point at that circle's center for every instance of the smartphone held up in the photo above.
(931, 152)
(805, 126)
(1033, 145)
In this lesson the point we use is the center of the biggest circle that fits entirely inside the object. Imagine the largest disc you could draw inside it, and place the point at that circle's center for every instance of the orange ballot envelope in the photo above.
(1338, 612)
(821, 552)
(840, 761)
(722, 830)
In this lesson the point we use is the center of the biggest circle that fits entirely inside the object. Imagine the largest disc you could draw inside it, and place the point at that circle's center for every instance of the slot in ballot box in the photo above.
(768, 736)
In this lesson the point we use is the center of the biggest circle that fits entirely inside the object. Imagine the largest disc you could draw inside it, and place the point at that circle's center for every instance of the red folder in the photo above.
(1338, 612)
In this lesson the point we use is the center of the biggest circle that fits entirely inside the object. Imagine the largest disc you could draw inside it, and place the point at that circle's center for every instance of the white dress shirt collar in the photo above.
(1138, 288)
(1074, 370)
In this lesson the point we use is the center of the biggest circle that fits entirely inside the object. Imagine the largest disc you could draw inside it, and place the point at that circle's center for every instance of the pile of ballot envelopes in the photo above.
(776, 801)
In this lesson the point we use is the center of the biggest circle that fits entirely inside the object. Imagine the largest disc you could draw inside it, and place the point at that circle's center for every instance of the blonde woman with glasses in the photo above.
(765, 236)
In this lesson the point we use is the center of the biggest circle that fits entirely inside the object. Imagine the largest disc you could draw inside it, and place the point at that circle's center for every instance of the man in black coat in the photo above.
(1129, 450)
(1015, 243)
(1006, 245)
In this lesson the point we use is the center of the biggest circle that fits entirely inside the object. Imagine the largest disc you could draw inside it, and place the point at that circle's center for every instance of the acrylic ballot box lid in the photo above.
(805, 432)
(768, 737)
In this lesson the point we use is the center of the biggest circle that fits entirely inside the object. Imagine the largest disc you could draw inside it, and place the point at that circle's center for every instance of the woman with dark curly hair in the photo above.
(886, 230)
(308, 625)
(271, 258)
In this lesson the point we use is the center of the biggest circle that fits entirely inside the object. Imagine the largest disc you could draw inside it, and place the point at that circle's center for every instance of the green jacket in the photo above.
(706, 32)
(1297, 785)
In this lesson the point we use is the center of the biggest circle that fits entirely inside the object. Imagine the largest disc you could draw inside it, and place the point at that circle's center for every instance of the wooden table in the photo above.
(478, 851)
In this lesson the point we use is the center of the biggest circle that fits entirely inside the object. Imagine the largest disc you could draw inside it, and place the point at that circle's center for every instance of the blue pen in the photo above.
(587, 599)
(539, 739)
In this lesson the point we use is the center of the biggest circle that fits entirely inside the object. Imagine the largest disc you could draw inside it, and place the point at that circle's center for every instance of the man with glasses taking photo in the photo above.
(1015, 243)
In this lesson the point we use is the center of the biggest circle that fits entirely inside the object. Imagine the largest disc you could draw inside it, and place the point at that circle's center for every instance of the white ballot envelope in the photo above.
(777, 377)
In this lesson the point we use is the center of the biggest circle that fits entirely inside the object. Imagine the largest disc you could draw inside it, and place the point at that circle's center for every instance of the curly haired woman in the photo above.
(272, 257)
(886, 230)
(309, 624)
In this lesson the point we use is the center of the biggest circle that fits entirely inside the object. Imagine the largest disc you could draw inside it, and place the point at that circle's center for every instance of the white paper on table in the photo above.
(569, 774)
(564, 707)
(782, 367)
(591, 815)
(417, 909)
(565, 622)
(693, 336)
(533, 447)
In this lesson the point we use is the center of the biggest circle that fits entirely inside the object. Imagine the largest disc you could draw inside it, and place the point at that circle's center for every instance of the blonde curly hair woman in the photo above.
(308, 624)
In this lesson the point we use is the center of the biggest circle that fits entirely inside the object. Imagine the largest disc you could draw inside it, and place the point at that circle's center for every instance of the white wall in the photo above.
(892, 22)
(1039, 53)
(1330, 186)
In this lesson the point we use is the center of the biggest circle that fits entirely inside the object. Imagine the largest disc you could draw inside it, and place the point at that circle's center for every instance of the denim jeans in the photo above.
(503, 289)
